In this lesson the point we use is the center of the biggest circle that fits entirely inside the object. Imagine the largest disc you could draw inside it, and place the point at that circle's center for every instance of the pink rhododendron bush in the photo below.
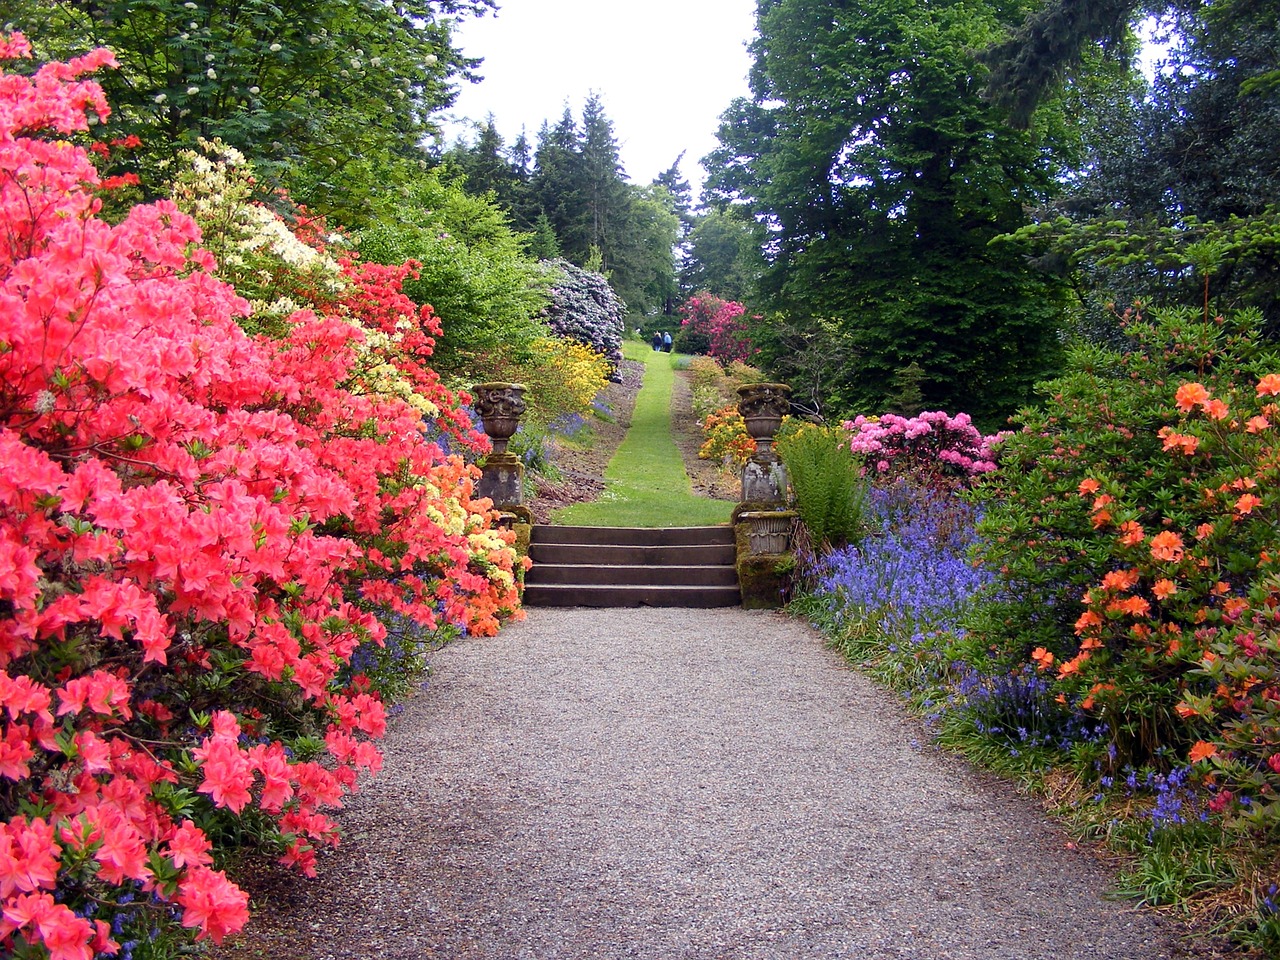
(199, 527)
(715, 327)
(930, 446)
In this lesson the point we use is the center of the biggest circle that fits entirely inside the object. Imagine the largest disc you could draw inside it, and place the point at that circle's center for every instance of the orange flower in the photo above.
(1164, 589)
(1088, 486)
(1102, 501)
(1134, 606)
(1131, 533)
(1234, 607)
(1120, 580)
(1178, 441)
(1072, 665)
(1043, 658)
(1257, 424)
(1204, 530)
(1190, 394)
(1088, 619)
(1101, 519)
(1185, 711)
(1166, 546)
(1202, 751)
(1217, 410)
(1269, 385)
(1247, 502)
(1097, 688)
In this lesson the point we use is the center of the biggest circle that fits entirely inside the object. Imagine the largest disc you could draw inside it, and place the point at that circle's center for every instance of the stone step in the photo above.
(633, 555)
(631, 567)
(579, 595)
(589, 574)
(633, 536)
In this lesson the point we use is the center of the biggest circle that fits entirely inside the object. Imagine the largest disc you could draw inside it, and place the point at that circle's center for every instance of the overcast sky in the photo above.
(664, 69)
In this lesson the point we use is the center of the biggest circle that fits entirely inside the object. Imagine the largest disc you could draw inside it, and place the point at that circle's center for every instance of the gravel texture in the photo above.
(661, 783)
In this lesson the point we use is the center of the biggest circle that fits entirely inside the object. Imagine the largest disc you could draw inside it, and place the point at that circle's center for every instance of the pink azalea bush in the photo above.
(197, 529)
(930, 445)
(718, 324)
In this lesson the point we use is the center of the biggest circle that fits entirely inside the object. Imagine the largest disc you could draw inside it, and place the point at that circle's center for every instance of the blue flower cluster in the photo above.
(913, 569)
(1175, 796)
(1019, 707)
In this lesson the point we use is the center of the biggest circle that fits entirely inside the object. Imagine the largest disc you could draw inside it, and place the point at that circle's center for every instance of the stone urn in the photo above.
(500, 406)
(763, 405)
(768, 531)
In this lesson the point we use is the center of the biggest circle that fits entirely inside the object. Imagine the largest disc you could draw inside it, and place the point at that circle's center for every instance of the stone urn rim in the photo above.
(498, 385)
(760, 514)
(747, 388)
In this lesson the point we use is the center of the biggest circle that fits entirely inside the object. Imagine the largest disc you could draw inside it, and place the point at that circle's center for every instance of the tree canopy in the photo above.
(319, 93)
(575, 192)
(881, 174)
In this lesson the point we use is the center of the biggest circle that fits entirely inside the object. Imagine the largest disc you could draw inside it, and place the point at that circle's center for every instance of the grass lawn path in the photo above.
(647, 485)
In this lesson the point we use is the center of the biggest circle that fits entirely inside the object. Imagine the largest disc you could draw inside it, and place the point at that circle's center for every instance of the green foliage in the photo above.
(473, 271)
(577, 203)
(826, 479)
(323, 95)
(1174, 864)
(1236, 261)
(724, 256)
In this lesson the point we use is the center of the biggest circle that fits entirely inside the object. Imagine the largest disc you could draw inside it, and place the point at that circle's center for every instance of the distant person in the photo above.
(666, 342)
(657, 341)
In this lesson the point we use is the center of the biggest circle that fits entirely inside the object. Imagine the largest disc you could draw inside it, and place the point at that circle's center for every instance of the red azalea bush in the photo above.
(715, 327)
(197, 528)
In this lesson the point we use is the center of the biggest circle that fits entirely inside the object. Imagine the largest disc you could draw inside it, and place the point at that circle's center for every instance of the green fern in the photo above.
(826, 479)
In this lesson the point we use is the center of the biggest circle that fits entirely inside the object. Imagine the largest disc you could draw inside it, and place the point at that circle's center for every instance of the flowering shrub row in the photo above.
(197, 527)
(1118, 607)
(726, 439)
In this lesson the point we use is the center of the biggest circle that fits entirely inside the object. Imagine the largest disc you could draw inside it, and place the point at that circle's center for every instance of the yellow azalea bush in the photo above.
(563, 377)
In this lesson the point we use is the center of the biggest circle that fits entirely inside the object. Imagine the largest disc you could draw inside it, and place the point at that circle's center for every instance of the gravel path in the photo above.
(673, 784)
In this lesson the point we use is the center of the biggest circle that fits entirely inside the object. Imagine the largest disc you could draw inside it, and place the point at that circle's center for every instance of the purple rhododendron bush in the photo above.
(1092, 600)
(201, 530)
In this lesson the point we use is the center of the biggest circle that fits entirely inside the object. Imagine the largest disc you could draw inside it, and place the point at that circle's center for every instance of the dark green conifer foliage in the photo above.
(881, 175)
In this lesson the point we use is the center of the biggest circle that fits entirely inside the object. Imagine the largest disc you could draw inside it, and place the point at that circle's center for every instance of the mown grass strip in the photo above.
(647, 485)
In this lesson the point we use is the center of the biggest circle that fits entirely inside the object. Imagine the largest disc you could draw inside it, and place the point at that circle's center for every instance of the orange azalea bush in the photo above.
(199, 528)
(1135, 526)
(726, 440)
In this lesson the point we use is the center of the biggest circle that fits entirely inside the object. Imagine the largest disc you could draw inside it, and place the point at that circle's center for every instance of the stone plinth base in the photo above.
(502, 481)
(764, 579)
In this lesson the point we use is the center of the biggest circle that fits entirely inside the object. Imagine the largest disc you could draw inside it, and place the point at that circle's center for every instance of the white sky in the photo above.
(664, 70)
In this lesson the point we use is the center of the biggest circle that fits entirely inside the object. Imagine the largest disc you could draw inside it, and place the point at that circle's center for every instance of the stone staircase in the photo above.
(631, 567)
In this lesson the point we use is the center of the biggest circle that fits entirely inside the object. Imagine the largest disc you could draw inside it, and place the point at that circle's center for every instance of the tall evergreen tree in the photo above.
(484, 164)
(881, 174)
(557, 186)
(604, 191)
